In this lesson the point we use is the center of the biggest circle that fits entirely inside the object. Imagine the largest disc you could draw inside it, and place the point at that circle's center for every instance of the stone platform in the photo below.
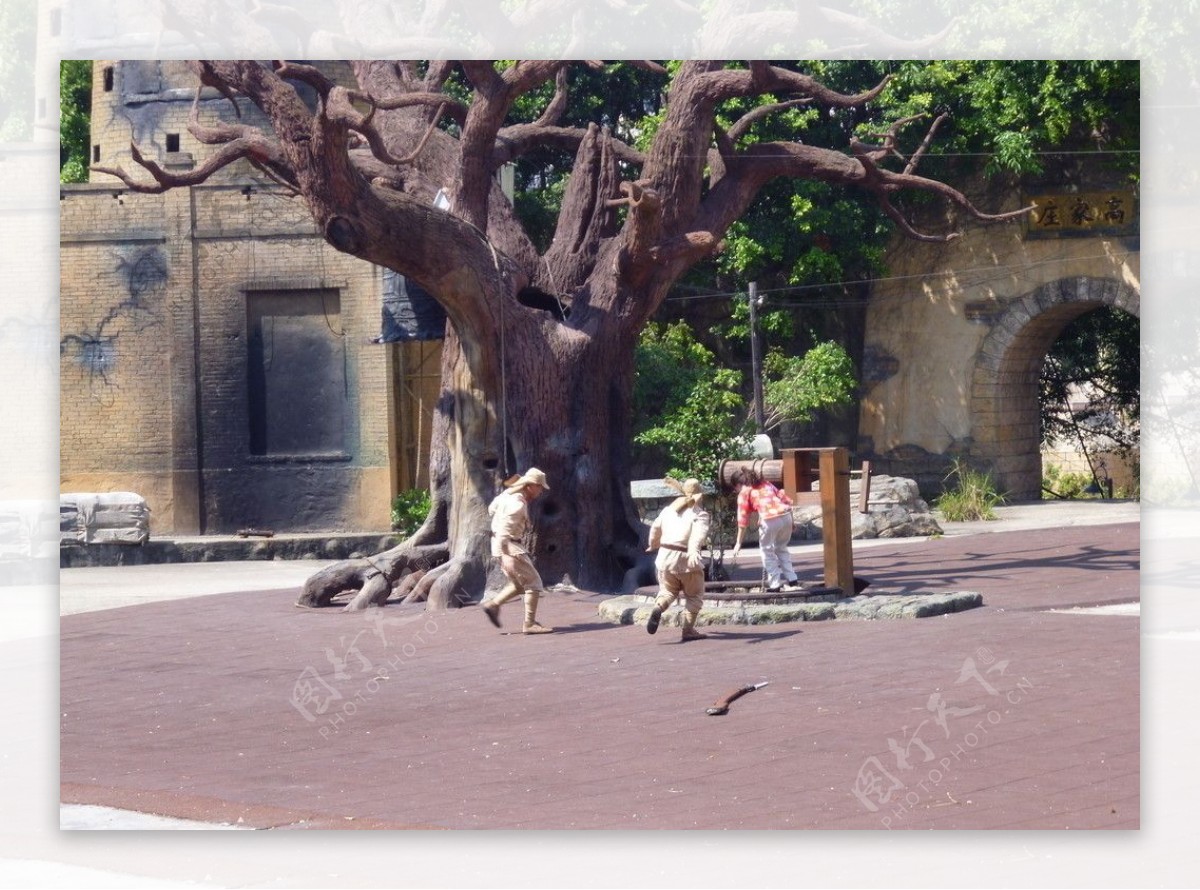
(635, 608)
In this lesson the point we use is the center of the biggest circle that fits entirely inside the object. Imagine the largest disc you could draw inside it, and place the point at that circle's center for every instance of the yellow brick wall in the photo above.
(154, 356)
(137, 284)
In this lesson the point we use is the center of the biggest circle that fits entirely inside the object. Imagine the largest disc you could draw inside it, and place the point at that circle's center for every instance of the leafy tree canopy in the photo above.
(75, 90)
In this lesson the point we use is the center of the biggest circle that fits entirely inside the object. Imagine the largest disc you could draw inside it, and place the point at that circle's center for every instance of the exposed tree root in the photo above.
(372, 578)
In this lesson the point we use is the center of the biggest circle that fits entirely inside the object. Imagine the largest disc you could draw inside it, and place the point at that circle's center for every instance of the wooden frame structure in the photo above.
(797, 471)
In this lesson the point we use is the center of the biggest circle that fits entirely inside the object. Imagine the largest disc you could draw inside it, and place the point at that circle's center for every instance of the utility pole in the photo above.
(756, 359)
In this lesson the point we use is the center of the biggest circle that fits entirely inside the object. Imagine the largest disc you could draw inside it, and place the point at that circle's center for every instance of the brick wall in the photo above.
(154, 360)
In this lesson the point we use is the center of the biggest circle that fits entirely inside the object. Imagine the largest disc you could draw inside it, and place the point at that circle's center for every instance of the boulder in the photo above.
(894, 510)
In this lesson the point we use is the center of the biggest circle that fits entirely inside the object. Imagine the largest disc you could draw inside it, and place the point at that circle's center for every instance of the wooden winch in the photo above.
(797, 472)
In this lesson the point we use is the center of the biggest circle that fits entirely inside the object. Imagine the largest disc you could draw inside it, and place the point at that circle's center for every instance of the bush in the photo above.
(972, 497)
(409, 509)
(1065, 486)
(686, 407)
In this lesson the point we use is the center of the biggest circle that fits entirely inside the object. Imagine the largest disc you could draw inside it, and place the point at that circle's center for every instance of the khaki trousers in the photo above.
(523, 579)
(689, 585)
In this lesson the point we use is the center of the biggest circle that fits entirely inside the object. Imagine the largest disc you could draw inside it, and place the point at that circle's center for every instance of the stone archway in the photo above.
(1005, 414)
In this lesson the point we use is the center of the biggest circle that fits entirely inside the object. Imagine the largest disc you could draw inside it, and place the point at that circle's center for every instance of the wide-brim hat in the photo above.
(532, 476)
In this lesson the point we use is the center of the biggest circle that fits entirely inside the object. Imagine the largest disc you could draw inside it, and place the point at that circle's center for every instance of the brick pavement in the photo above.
(438, 721)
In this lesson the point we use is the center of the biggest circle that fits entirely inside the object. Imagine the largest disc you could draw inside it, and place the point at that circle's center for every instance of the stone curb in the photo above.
(635, 609)
(161, 551)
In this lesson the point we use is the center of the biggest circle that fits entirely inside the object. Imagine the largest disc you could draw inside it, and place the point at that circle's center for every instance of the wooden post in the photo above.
(756, 360)
(835, 518)
(864, 488)
(798, 472)
(833, 469)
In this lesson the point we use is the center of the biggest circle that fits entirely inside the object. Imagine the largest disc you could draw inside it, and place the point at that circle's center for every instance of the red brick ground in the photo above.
(437, 720)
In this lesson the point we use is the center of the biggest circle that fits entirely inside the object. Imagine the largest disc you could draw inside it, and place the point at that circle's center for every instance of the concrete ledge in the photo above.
(635, 609)
(226, 548)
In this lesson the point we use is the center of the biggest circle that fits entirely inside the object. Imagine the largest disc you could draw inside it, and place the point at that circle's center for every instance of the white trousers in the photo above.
(773, 537)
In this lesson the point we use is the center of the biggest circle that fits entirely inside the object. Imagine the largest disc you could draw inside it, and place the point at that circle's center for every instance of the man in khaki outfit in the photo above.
(679, 532)
(510, 523)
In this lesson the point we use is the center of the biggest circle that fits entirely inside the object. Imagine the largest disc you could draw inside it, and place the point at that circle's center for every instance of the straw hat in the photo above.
(532, 476)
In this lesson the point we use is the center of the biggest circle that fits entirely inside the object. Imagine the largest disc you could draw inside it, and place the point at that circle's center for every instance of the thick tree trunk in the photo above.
(545, 394)
(561, 404)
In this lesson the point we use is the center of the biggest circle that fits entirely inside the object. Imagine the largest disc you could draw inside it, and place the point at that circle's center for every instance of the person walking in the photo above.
(510, 524)
(774, 509)
(678, 533)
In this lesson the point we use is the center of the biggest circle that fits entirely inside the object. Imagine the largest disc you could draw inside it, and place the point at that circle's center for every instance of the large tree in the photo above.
(538, 356)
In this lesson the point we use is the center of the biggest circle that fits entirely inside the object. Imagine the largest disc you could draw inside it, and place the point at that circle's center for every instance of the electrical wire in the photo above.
(994, 273)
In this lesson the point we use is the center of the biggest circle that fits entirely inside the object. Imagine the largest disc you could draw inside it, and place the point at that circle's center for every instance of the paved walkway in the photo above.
(238, 708)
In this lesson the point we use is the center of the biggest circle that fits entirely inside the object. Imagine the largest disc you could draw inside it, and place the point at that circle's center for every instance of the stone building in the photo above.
(217, 356)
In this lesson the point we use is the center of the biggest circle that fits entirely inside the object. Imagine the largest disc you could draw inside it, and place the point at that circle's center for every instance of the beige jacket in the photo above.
(679, 537)
(510, 523)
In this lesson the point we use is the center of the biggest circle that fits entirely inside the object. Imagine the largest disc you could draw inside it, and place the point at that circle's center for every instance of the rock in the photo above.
(894, 510)
(635, 609)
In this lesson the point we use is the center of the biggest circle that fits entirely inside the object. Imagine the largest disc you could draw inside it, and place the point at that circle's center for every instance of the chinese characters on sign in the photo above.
(1084, 213)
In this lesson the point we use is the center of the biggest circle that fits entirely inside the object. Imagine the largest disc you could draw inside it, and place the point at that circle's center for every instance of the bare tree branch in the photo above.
(233, 151)
(725, 83)
(314, 77)
(437, 74)
(220, 131)
(340, 109)
(519, 139)
(557, 105)
(643, 225)
(209, 77)
(743, 124)
(925, 143)
(647, 65)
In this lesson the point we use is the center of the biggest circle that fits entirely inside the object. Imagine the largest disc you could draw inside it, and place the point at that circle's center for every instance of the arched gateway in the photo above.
(1004, 403)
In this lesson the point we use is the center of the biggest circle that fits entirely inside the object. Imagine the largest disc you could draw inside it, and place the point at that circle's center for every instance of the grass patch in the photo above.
(972, 495)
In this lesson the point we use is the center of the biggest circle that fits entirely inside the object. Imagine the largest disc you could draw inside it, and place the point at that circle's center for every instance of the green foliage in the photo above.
(685, 406)
(622, 97)
(1060, 485)
(669, 362)
(409, 510)
(75, 91)
(796, 386)
(779, 324)
(689, 407)
(1097, 356)
(704, 430)
(972, 496)
(1014, 110)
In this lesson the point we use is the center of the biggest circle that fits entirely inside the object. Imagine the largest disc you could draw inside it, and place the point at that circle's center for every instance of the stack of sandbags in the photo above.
(111, 517)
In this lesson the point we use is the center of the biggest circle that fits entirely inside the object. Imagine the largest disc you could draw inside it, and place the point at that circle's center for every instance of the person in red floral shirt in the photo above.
(774, 509)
